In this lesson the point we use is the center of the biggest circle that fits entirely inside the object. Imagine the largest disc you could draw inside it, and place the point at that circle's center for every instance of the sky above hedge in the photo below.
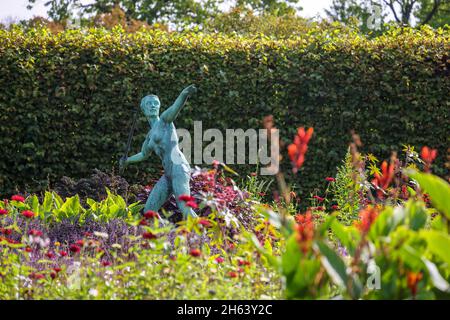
(16, 9)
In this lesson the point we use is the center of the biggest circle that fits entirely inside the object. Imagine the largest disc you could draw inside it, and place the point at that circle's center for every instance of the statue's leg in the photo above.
(159, 195)
(180, 185)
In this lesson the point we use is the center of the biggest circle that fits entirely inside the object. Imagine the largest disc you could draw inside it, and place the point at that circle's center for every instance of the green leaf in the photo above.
(438, 244)
(437, 188)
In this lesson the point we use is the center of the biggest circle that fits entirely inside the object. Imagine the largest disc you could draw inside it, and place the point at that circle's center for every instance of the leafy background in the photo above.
(66, 99)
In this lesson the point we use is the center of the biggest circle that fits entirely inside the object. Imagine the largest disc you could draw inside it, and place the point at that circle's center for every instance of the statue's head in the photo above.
(150, 105)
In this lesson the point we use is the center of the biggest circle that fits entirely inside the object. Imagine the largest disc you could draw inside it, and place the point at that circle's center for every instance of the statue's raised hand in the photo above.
(190, 90)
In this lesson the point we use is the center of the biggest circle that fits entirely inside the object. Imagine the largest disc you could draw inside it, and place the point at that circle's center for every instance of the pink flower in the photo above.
(219, 259)
(28, 214)
(3, 212)
(330, 179)
(18, 198)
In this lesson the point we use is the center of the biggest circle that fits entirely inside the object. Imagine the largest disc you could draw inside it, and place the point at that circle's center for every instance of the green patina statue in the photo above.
(163, 140)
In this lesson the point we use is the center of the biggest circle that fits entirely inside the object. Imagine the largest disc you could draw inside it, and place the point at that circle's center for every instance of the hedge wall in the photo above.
(66, 99)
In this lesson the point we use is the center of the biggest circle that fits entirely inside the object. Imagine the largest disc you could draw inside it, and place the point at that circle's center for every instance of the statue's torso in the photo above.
(163, 140)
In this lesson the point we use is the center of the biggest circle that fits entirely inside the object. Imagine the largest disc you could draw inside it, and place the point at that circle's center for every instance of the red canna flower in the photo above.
(304, 230)
(186, 198)
(149, 236)
(74, 248)
(192, 204)
(150, 214)
(195, 252)
(297, 150)
(384, 179)
(3, 212)
(18, 198)
(219, 259)
(330, 179)
(63, 253)
(367, 216)
(28, 214)
(428, 155)
(412, 280)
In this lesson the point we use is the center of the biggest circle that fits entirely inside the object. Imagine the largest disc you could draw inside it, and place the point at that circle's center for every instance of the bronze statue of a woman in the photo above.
(163, 140)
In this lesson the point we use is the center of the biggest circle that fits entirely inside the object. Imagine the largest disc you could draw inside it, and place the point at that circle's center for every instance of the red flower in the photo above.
(50, 255)
(205, 222)
(87, 234)
(367, 217)
(233, 274)
(149, 236)
(384, 179)
(28, 249)
(428, 155)
(330, 179)
(36, 276)
(74, 248)
(18, 198)
(57, 269)
(150, 214)
(195, 252)
(320, 199)
(412, 280)
(28, 214)
(192, 204)
(297, 150)
(304, 230)
(106, 263)
(6, 231)
(243, 263)
(63, 253)
(53, 275)
(80, 243)
(3, 212)
(334, 207)
(219, 259)
(143, 222)
(35, 233)
(186, 198)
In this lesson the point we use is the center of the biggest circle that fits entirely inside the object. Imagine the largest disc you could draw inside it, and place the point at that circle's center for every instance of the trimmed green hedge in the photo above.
(66, 99)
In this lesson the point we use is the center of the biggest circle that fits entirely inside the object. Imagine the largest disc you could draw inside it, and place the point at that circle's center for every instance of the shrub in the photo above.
(66, 98)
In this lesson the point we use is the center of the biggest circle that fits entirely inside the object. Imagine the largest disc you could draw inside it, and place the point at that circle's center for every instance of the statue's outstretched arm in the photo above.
(138, 157)
(171, 114)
